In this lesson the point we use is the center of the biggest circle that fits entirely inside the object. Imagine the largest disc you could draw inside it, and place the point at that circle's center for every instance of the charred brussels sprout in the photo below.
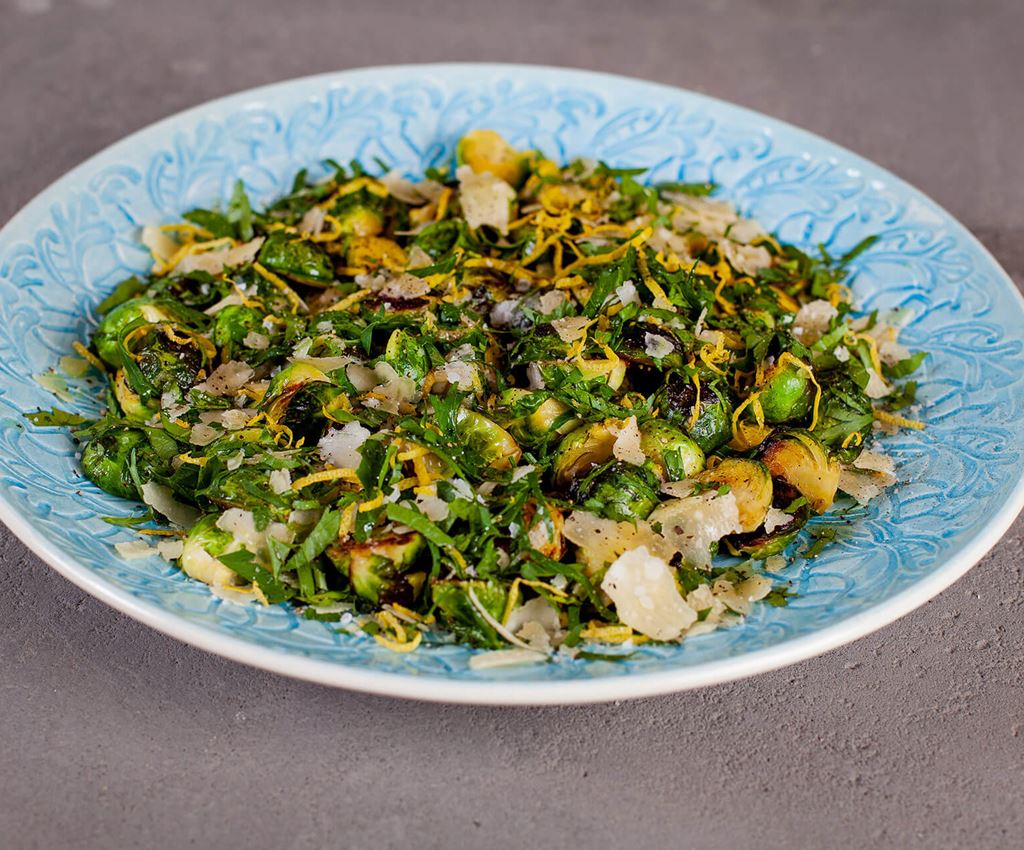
(799, 461)
(298, 259)
(233, 324)
(460, 612)
(670, 449)
(286, 384)
(713, 427)
(580, 452)
(648, 344)
(761, 544)
(358, 218)
(622, 492)
(488, 439)
(305, 412)
(406, 356)
(749, 482)
(383, 570)
(118, 456)
(786, 394)
(486, 151)
(118, 321)
(167, 359)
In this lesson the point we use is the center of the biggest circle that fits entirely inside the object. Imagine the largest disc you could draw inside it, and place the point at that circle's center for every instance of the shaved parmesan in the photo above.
(498, 658)
(340, 446)
(690, 525)
(627, 443)
(160, 498)
(227, 378)
(657, 346)
(280, 481)
(776, 519)
(214, 262)
(485, 199)
(643, 589)
(571, 328)
(132, 550)
(627, 293)
(812, 321)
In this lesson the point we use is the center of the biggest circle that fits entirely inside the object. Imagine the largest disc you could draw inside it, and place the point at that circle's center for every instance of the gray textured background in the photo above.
(113, 736)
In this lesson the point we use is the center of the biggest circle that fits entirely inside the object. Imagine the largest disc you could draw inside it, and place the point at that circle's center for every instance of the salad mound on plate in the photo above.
(517, 404)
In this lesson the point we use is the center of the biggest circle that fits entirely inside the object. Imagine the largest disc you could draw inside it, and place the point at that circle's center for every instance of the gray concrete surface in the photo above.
(112, 736)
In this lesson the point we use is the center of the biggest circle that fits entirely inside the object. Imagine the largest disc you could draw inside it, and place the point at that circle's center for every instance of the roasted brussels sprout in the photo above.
(298, 259)
(286, 384)
(713, 426)
(761, 544)
(488, 439)
(167, 359)
(371, 252)
(203, 547)
(622, 492)
(358, 219)
(750, 482)
(786, 394)
(798, 460)
(132, 404)
(304, 415)
(406, 356)
(459, 612)
(641, 342)
(245, 488)
(580, 452)
(118, 455)
(540, 423)
(233, 324)
(658, 438)
(107, 337)
(385, 569)
(486, 151)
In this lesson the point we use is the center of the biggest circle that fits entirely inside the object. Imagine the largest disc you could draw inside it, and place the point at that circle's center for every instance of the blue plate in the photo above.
(961, 478)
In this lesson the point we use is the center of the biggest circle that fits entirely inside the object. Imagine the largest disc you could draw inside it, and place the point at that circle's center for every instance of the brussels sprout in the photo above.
(749, 482)
(116, 454)
(761, 544)
(298, 259)
(383, 570)
(375, 251)
(305, 413)
(458, 612)
(203, 545)
(786, 394)
(233, 324)
(166, 361)
(635, 346)
(713, 428)
(580, 452)
(360, 220)
(658, 437)
(131, 403)
(488, 439)
(107, 337)
(486, 151)
(540, 423)
(406, 356)
(622, 492)
(288, 382)
(800, 462)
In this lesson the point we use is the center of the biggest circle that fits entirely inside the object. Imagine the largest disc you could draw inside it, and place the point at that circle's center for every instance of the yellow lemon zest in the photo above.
(898, 421)
(88, 356)
(290, 294)
(332, 474)
(349, 300)
(511, 601)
